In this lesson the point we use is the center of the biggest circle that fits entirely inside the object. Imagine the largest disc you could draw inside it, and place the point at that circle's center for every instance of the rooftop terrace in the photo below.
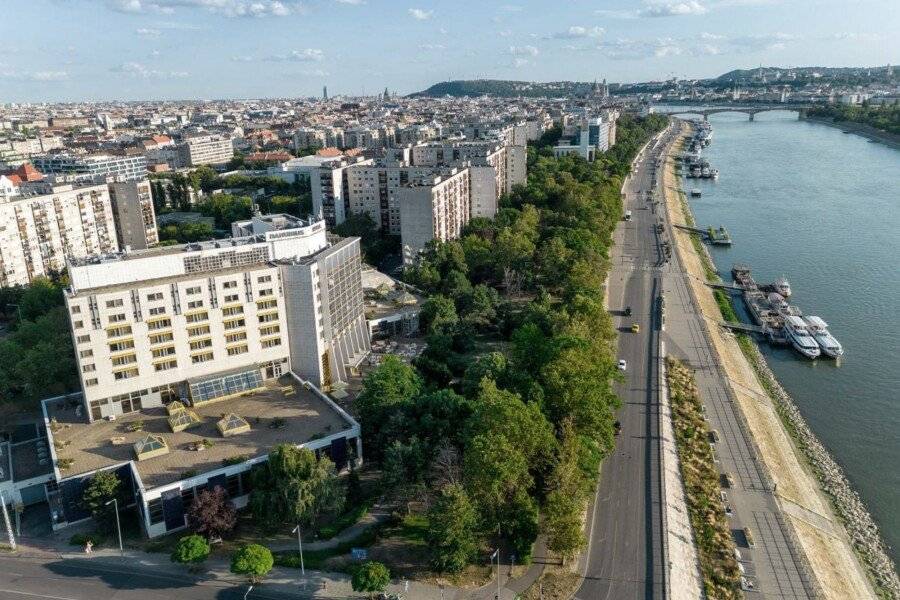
(282, 413)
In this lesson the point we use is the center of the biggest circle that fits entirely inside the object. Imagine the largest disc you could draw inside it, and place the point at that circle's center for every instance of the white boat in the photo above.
(715, 173)
(819, 330)
(799, 335)
(783, 287)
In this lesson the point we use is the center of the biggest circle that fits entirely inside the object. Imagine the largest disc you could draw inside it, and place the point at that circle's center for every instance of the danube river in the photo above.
(822, 207)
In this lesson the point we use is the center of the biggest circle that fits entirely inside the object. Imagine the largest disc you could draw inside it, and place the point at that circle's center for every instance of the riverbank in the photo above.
(860, 129)
(820, 535)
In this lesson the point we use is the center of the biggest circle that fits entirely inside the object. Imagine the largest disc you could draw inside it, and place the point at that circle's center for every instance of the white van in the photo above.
(627, 215)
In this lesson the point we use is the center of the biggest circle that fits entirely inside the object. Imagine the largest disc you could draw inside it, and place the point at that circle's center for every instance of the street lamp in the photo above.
(300, 547)
(115, 504)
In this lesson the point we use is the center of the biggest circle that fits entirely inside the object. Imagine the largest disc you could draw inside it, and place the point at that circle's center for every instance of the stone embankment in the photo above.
(858, 522)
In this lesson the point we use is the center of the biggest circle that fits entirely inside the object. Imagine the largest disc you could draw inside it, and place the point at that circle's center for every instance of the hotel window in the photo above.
(195, 331)
(117, 318)
(86, 353)
(159, 324)
(264, 304)
(201, 358)
(77, 324)
(271, 343)
(126, 374)
(232, 310)
(229, 285)
(76, 310)
(195, 304)
(159, 338)
(269, 330)
(83, 339)
(265, 292)
(161, 352)
(264, 279)
(237, 350)
(155, 511)
(155, 296)
(88, 368)
(193, 290)
(234, 324)
(120, 346)
(90, 382)
(235, 337)
(268, 317)
(157, 310)
(121, 361)
(232, 298)
(165, 365)
(203, 316)
(201, 344)
(118, 331)
(114, 303)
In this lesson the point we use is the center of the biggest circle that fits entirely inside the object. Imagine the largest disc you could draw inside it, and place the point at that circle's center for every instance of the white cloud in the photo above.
(305, 55)
(141, 71)
(672, 8)
(228, 8)
(504, 33)
(351, 2)
(420, 15)
(520, 62)
(856, 36)
(577, 31)
(524, 51)
(431, 47)
(148, 32)
(616, 14)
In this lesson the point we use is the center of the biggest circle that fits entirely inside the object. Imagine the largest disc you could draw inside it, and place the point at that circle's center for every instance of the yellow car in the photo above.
(635, 328)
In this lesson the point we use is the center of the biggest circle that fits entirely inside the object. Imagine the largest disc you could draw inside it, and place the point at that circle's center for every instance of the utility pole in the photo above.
(300, 547)
(115, 504)
(497, 555)
(9, 532)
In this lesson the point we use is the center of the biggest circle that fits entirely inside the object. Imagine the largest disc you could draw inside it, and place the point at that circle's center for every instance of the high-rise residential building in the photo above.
(204, 150)
(132, 203)
(93, 168)
(190, 323)
(330, 190)
(39, 232)
(433, 210)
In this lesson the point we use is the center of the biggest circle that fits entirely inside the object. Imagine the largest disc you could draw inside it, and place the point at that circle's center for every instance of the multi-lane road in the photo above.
(625, 555)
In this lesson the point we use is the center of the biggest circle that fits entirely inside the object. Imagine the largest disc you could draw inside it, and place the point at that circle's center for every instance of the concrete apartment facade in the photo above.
(38, 233)
(204, 150)
(433, 210)
(93, 168)
(132, 203)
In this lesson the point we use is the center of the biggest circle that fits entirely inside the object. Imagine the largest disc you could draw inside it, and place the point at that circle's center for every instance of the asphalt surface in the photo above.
(625, 554)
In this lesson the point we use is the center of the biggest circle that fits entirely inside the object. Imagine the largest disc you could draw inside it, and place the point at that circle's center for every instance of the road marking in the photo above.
(37, 595)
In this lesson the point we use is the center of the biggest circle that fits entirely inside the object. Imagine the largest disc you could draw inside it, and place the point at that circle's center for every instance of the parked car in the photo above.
(623, 365)
(635, 328)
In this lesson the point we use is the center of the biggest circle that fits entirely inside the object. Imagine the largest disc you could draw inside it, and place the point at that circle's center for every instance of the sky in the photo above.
(74, 50)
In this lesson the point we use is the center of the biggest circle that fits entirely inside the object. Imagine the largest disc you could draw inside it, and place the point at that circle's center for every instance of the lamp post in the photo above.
(9, 532)
(300, 547)
(115, 504)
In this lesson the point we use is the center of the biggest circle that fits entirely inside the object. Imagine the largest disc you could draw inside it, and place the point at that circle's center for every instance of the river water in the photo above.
(822, 207)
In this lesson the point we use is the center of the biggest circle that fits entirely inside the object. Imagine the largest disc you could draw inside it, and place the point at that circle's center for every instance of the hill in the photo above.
(503, 87)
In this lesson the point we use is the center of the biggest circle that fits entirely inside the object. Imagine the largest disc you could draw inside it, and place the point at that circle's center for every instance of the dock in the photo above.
(742, 327)
(719, 237)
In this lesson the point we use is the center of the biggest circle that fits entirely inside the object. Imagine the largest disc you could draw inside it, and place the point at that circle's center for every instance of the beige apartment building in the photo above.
(435, 209)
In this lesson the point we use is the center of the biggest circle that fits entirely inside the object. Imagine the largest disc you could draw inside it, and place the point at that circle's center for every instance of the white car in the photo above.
(623, 365)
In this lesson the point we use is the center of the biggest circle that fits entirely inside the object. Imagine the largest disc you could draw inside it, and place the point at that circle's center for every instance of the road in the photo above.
(625, 552)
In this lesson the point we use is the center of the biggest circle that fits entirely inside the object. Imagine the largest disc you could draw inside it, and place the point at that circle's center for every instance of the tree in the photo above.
(252, 560)
(191, 549)
(491, 366)
(212, 514)
(103, 487)
(479, 306)
(562, 522)
(451, 530)
(293, 487)
(438, 315)
(370, 577)
(385, 391)
(38, 298)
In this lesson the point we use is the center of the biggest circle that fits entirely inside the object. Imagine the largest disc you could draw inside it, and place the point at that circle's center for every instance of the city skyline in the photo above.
(202, 49)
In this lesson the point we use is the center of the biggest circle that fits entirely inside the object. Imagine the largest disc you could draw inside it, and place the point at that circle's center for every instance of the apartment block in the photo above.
(132, 203)
(94, 168)
(204, 150)
(40, 232)
(330, 190)
(190, 323)
(433, 210)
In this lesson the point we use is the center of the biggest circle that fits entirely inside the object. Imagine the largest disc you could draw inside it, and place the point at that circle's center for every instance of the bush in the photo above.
(370, 577)
(191, 549)
(252, 560)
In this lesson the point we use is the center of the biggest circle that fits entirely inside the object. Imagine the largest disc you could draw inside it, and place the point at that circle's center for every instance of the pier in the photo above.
(718, 237)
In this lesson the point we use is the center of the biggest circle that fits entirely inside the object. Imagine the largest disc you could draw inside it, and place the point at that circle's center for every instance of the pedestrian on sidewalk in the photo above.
(89, 547)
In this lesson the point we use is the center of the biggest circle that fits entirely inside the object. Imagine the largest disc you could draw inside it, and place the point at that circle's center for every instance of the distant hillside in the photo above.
(838, 74)
(502, 87)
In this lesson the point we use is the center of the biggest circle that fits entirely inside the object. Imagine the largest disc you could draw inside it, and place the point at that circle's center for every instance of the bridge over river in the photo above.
(748, 109)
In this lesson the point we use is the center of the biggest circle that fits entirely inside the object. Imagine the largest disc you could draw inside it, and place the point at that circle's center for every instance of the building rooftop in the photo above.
(283, 413)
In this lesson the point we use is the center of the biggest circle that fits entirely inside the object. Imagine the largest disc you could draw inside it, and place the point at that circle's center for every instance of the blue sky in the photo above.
(162, 49)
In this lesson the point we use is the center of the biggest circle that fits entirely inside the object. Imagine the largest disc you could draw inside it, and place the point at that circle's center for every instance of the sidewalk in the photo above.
(284, 582)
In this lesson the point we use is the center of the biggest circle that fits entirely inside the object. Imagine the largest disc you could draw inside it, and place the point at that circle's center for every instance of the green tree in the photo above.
(479, 306)
(190, 549)
(491, 366)
(292, 486)
(38, 298)
(253, 561)
(562, 521)
(103, 487)
(370, 577)
(438, 315)
(385, 391)
(452, 536)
